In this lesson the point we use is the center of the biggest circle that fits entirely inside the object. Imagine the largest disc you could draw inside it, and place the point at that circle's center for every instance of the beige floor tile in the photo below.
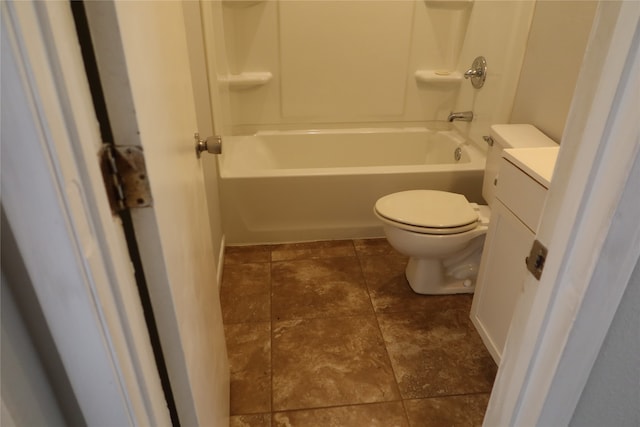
(258, 420)
(249, 351)
(447, 411)
(388, 414)
(436, 353)
(330, 362)
(324, 249)
(318, 288)
(245, 294)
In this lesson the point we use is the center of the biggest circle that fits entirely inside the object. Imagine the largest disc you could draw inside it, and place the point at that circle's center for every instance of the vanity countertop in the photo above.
(537, 162)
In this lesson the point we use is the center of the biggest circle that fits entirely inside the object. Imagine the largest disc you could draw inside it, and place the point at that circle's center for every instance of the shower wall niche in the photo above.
(301, 64)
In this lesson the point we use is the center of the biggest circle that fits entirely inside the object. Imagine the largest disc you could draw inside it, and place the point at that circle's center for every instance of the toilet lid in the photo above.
(427, 208)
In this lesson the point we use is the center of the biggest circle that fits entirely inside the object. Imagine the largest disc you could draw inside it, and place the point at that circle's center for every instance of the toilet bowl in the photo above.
(443, 233)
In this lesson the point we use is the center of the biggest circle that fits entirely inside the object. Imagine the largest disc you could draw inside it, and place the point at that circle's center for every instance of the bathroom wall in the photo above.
(350, 63)
(612, 392)
(556, 45)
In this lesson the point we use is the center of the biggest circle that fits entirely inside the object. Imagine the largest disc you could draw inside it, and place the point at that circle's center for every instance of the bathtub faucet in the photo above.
(464, 116)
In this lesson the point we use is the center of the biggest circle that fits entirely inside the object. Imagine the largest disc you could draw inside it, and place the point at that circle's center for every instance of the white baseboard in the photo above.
(220, 265)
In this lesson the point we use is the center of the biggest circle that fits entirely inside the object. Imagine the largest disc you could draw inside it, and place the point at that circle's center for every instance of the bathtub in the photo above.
(294, 186)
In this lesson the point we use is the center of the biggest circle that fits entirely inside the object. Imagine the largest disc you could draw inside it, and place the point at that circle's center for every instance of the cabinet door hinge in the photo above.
(125, 177)
(536, 259)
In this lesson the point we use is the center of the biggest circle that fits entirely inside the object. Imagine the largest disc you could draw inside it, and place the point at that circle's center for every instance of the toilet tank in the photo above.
(508, 136)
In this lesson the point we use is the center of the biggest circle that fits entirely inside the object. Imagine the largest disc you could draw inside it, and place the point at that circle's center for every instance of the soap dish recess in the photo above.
(248, 79)
(438, 76)
(241, 3)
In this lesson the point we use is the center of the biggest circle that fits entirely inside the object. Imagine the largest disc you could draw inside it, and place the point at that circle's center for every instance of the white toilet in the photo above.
(443, 233)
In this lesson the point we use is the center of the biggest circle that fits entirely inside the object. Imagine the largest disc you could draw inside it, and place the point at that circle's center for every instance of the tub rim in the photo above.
(477, 157)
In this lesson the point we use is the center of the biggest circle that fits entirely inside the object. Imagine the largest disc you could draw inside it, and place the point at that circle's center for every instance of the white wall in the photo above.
(556, 45)
(612, 393)
(347, 63)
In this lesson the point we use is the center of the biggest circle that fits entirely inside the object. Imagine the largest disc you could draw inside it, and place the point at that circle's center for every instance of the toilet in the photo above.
(443, 233)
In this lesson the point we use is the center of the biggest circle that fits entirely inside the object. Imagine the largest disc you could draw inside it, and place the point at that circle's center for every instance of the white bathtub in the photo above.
(297, 186)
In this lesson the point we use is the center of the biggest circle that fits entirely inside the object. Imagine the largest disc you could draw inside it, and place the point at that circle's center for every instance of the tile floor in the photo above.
(330, 334)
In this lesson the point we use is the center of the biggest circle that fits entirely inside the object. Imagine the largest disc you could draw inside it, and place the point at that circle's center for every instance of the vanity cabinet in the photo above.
(514, 218)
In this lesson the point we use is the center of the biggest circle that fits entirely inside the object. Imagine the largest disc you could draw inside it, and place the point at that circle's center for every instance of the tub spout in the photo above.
(464, 116)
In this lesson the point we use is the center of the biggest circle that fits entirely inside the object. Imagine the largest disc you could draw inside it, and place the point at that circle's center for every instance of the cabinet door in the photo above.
(500, 278)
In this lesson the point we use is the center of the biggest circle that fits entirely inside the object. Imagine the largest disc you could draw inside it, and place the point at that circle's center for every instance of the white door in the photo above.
(142, 54)
(205, 36)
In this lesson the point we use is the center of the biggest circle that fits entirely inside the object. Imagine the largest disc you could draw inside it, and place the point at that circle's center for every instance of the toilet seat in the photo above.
(428, 212)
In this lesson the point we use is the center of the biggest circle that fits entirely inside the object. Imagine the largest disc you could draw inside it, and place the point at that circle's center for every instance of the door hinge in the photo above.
(125, 177)
(536, 259)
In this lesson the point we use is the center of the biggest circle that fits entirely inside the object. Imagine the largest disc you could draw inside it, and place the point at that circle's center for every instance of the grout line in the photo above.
(384, 343)
(446, 396)
(271, 328)
(247, 322)
(324, 258)
(401, 400)
(313, 408)
(366, 286)
(348, 316)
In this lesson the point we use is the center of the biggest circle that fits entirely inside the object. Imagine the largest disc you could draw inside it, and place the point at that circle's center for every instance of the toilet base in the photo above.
(427, 277)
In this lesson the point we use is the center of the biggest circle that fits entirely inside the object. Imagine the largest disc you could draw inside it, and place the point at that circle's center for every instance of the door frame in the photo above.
(50, 193)
(73, 248)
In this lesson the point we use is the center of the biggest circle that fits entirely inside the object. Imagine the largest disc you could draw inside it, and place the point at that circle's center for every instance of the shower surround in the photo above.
(344, 66)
